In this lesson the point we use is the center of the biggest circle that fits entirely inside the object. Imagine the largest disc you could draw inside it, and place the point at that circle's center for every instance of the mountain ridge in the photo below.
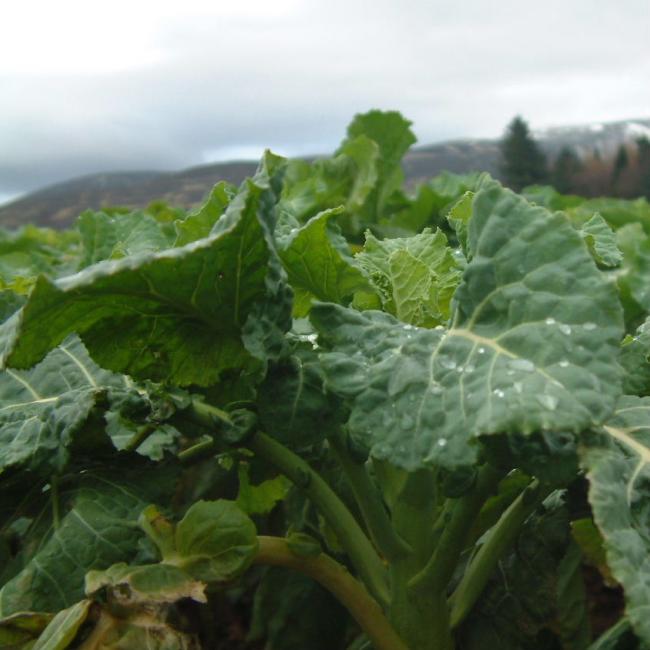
(58, 205)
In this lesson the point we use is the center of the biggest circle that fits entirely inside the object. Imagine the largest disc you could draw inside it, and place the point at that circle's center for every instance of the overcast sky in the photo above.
(121, 85)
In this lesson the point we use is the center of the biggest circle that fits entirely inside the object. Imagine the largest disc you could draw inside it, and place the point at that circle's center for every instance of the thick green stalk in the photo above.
(336, 579)
(421, 618)
(499, 539)
(461, 515)
(348, 532)
(369, 500)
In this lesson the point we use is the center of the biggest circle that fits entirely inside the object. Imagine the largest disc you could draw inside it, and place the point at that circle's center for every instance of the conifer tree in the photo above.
(620, 164)
(567, 166)
(523, 162)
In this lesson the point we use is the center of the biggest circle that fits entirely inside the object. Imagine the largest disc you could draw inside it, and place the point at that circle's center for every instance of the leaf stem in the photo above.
(499, 539)
(54, 496)
(140, 436)
(338, 581)
(461, 515)
(362, 553)
(368, 498)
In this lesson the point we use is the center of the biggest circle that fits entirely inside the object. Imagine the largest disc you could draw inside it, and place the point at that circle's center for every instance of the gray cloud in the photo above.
(222, 84)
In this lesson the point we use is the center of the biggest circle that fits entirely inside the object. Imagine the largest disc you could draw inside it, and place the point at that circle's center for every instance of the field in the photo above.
(323, 412)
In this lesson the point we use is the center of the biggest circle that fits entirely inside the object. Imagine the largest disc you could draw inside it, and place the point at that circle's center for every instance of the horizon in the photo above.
(149, 85)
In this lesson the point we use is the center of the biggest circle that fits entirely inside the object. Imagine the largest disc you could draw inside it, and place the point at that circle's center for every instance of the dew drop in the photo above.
(439, 327)
(550, 321)
(548, 401)
(522, 364)
(460, 369)
(589, 326)
(447, 362)
(408, 327)
(407, 421)
(442, 442)
(470, 367)
(565, 329)
(498, 392)
(481, 350)
(564, 363)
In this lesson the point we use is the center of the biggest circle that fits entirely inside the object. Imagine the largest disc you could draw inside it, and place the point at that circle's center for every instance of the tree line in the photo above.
(625, 174)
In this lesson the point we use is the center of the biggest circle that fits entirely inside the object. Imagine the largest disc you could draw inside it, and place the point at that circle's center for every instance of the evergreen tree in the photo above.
(643, 149)
(620, 164)
(567, 166)
(523, 162)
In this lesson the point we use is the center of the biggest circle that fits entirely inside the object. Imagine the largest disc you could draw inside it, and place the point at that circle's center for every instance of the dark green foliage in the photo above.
(392, 399)
(523, 162)
(566, 166)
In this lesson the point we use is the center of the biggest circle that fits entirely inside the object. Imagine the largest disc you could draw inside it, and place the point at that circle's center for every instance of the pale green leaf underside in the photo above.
(173, 315)
(41, 409)
(618, 466)
(415, 277)
(532, 346)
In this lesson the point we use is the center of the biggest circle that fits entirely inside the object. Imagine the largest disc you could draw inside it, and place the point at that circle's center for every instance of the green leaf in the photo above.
(113, 236)
(97, 529)
(143, 585)
(292, 398)
(532, 348)
(177, 315)
(292, 612)
(601, 240)
(262, 498)
(215, 541)
(459, 216)
(618, 468)
(536, 592)
(198, 225)
(394, 137)
(60, 633)
(317, 261)
(43, 409)
(635, 355)
(18, 630)
(415, 277)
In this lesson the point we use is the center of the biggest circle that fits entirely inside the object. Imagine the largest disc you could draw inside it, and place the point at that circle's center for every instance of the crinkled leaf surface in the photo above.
(175, 315)
(618, 469)
(532, 347)
(42, 409)
(414, 276)
(113, 236)
(317, 261)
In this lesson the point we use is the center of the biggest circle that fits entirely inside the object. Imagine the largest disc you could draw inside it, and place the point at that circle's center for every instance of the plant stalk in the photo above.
(337, 580)
(369, 500)
(362, 553)
(499, 539)
(440, 568)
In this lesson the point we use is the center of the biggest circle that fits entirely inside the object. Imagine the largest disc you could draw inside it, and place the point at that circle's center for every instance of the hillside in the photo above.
(58, 205)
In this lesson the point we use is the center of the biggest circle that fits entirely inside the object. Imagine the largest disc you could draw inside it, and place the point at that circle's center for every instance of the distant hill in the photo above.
(58, 205)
